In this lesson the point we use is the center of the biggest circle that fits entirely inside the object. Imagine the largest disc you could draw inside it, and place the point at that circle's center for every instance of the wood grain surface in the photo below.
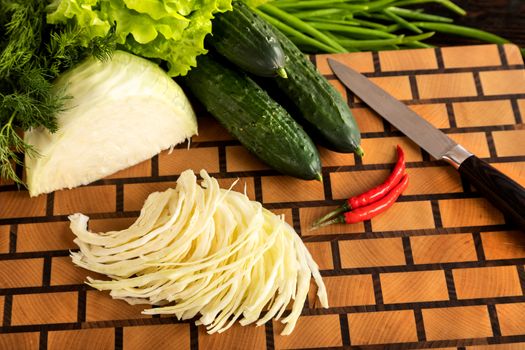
(441, 269)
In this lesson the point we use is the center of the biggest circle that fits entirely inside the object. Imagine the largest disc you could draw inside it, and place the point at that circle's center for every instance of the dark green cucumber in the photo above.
(248, 41)
(321, 106)
(257, 121)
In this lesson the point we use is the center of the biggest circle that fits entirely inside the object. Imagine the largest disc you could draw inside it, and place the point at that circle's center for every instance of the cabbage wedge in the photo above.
(122, 112)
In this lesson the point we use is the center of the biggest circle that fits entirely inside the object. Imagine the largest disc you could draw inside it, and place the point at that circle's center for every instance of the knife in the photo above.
(503, 192)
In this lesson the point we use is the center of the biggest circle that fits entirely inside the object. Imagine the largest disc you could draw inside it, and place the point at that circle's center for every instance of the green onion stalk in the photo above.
(334, 26)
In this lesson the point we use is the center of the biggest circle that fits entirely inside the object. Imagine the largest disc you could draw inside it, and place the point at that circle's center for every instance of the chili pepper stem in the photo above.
(331, 214)
(337, 220)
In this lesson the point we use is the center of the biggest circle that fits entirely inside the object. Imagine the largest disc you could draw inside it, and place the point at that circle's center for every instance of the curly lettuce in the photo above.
(169, 30)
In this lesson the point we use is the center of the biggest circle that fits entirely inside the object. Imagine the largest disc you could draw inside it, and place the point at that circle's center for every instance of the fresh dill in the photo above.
(32, 55)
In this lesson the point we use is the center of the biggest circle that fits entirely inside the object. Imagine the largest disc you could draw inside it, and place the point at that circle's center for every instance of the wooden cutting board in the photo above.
(440, 269)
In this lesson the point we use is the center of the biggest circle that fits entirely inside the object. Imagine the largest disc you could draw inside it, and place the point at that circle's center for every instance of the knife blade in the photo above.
(502, 191)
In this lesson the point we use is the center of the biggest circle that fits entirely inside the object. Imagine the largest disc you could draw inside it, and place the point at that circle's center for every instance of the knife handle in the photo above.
(503, 192)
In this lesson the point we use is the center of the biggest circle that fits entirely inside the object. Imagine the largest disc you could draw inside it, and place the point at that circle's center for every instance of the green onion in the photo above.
(445, 3)
(419, 45)
(316, 13)
(400, 40)
(462, 31)
(334, 21)
(331, 36)
(305, 4)
(369, 24)
(291, 32)
(424, 36)
(300, 25)
(420, 16)
(380, 16)
(351, 29)
(453, 7)
(402, 22)
(350, 7)
(392, 28)
(360, 44)
(353, 25)
(379, 5)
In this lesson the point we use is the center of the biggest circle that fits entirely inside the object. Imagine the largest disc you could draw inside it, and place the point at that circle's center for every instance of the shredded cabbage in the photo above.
(200, 249)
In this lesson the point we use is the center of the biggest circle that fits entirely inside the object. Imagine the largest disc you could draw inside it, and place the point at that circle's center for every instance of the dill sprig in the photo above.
(32, 55)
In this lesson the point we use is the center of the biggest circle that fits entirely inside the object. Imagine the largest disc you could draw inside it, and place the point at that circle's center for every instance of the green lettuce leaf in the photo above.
(81, 12)
(169, 30)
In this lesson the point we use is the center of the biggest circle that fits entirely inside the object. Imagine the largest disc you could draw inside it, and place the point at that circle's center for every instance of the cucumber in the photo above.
(321, 106)
(257, 121)
(248, 41)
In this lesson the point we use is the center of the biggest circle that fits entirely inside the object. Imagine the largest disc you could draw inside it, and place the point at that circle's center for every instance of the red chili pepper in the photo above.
(380, 191)
(371, 210)
(375, 193)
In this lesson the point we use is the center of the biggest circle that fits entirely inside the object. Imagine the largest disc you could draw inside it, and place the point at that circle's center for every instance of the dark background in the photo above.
(505, 18)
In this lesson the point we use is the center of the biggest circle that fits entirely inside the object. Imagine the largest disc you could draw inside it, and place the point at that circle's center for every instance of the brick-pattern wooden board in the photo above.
(441, 269)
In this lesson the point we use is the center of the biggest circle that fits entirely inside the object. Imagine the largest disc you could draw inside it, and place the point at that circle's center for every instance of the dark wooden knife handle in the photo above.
(503, 192)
